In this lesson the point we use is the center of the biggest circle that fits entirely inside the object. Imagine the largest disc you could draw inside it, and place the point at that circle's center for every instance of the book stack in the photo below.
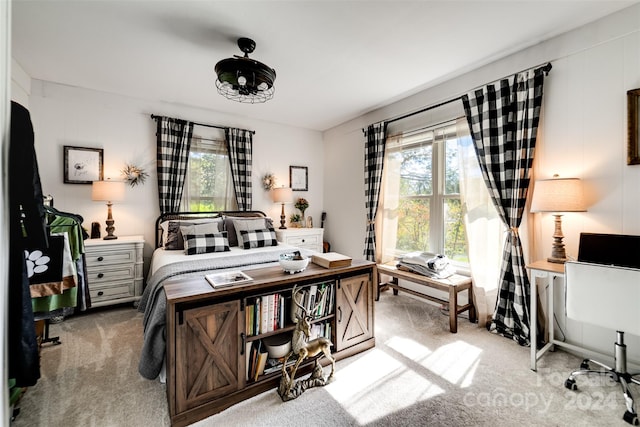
(266, 313)
(257, 356)
(321, 296)
(331, 260)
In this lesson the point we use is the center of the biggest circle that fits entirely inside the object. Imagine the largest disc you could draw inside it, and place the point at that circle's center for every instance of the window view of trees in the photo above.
(429, 213)
(207, 184)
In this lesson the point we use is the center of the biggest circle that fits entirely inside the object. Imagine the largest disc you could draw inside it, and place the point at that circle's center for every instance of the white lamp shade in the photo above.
(282, 195)
(558, 195)
(107, 191)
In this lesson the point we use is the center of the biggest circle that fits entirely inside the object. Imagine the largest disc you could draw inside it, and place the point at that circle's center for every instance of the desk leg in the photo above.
(533, 321)
(550, 314)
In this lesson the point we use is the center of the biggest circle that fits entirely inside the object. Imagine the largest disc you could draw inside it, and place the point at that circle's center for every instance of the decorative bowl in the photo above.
(293, 263)
(277, 345)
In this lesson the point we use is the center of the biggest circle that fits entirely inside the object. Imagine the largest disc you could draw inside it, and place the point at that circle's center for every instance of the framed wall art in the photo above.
(299, 178)
(82, 165)
(633, 123)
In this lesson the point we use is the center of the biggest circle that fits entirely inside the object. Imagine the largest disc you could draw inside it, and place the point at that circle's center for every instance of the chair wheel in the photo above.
(571, 384)
(584, 365)
(630, 418)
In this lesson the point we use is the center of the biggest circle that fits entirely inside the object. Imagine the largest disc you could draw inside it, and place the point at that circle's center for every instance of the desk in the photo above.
(543, 269)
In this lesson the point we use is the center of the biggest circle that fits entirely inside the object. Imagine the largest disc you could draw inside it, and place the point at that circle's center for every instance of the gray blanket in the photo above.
(153, 301)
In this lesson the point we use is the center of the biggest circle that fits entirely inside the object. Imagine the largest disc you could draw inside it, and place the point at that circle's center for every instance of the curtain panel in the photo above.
(503, 118)
(173, 144)
(240, 146)
(376, 135)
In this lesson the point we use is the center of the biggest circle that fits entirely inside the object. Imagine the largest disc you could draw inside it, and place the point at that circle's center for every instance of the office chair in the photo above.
(606, 296)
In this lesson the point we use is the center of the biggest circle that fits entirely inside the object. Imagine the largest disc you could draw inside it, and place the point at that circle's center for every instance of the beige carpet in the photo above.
(418, 374)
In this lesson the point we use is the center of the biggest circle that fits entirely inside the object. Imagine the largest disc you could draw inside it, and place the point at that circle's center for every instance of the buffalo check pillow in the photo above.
(205, 243)
(258, 238)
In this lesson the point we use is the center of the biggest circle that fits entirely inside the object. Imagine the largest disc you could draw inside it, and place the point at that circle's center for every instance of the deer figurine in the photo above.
(302, 348)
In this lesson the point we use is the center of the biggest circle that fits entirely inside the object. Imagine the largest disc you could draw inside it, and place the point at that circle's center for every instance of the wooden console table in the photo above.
(208, 337)
(452, 285)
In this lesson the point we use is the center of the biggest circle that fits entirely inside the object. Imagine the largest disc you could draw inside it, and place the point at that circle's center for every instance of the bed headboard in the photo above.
(168, 216)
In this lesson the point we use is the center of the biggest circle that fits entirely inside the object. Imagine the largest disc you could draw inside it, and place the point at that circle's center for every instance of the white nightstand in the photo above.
(114, 269)
(307, 238)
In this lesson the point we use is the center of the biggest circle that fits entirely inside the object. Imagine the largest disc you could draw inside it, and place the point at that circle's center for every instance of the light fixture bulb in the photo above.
(242, 80)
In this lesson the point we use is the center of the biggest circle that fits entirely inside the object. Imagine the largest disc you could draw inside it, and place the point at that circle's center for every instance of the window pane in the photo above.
(208, 181)
(455, 242)
(413, 225)
(415, 171)
(451, 167)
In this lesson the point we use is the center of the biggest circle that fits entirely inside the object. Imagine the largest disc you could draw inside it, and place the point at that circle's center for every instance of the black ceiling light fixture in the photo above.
(244, 79)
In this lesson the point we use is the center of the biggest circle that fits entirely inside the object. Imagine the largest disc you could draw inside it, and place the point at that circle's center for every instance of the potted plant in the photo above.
(294, 220)
(302, 204)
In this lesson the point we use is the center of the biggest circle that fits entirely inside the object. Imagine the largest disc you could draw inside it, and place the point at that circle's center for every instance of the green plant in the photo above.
(295, 217)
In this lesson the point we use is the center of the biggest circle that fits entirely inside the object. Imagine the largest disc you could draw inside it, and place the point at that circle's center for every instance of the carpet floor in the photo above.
(418, 374)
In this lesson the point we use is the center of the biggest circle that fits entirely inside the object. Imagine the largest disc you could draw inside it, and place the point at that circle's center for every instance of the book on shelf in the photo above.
(260, 363)
(218, 280)
(331, 260)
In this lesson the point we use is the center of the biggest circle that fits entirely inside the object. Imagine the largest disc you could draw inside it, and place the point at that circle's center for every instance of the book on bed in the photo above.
(228, 278)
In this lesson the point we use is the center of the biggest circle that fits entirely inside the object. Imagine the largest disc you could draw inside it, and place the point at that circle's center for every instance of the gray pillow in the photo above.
(175, 239)
(231, 230)
(247, 224)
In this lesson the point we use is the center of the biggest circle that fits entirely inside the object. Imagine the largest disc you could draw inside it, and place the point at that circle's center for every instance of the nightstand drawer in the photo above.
(114, 291)
(302, 240)
(101, 274)
(97, 258)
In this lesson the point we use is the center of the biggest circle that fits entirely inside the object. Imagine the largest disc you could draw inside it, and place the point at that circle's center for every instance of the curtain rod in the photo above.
(253, 132)
(546, 68)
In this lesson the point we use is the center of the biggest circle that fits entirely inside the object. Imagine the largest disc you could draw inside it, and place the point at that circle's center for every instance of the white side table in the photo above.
(543, 270)
(114, 270)
(307, 238)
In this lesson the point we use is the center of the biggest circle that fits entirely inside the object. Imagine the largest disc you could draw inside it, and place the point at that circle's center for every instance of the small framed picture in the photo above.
(82, 165)
(299, 178)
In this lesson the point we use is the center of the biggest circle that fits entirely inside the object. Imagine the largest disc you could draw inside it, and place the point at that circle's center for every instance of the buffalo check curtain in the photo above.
(376, 135)
(239, 146)
(503, 118)
(173, 144)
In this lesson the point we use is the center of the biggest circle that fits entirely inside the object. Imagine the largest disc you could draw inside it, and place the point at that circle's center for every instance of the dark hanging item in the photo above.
(243, 79)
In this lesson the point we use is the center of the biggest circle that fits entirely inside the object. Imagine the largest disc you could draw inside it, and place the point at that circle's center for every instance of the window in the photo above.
(208, 184)
(421, 201)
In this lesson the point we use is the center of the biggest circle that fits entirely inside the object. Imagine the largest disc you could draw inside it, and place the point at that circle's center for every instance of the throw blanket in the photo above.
(428, 264)
(154, 304)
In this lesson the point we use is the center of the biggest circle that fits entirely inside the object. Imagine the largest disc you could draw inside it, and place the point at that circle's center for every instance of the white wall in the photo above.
(20, 85)
(64, 115)
(583, 134)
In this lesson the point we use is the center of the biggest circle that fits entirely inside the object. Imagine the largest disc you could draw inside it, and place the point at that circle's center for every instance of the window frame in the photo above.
(440, 134)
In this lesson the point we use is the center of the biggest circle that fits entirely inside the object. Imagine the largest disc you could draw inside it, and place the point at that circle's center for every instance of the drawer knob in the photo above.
(100, 258)
(100, 275)
(100, 293)
(302, 240)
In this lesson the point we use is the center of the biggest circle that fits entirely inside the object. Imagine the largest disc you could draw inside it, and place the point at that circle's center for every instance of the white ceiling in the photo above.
(335, 60)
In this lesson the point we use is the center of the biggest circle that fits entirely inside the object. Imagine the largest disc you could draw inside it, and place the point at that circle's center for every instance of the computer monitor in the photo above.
(610, 249)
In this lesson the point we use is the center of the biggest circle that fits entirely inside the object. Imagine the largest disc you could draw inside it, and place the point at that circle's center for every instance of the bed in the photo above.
(194, 244)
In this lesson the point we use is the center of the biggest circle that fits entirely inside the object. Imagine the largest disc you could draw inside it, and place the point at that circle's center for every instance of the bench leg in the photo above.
(472, 309)
(453, 310)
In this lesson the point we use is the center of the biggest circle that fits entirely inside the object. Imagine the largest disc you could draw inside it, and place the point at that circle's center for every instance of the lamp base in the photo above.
(109, 237)
(282, 219)
(558, 254)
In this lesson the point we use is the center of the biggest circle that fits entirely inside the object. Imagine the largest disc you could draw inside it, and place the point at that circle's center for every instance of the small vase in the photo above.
(303, 221)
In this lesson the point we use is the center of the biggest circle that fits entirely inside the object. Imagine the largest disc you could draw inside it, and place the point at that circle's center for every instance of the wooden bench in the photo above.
(452, 285)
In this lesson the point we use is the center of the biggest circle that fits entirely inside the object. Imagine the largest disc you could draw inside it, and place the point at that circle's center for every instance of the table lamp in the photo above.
(558, 195)
(108, 191)
(282, 195)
